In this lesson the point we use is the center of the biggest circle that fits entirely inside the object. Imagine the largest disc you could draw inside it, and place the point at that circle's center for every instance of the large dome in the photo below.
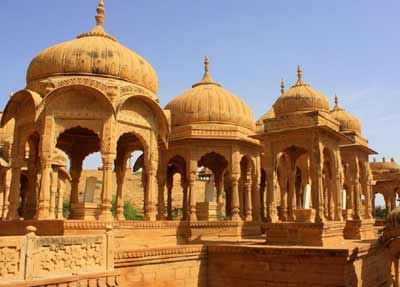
(208, 102)
(301, 98)
(95, 54)
(348, 122)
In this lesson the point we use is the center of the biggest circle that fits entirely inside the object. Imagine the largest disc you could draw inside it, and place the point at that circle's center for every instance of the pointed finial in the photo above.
(206, 77)
(282, 86)
(299, 73)
(336, 101)
(206, 62)
(392, 160)
(299, 77)
(384, 159)
(100, 13)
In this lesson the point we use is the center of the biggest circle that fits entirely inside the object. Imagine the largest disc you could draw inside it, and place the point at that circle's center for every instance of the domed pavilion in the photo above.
(87, 95)
(212, 128)
(357, 176)
(302, 148)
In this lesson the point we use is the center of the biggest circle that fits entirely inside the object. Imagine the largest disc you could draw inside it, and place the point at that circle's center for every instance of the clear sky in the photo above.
(346, 47)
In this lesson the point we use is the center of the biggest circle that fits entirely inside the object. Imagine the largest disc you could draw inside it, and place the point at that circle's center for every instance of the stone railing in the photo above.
(31, 257)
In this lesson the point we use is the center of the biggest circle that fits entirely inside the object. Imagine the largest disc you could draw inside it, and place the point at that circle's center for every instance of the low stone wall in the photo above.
(266, 266)
(25, 260)
(230, 265)
(174, 266)
(306, 234)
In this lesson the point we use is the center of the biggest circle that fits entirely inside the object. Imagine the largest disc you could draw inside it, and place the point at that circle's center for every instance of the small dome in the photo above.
(208, 102)
(94, 54)
(348, 122)
(268, 115)
(301, 98)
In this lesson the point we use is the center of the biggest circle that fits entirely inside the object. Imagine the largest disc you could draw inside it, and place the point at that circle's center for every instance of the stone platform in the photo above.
(142, 234)
(302, 233)
(360, 229)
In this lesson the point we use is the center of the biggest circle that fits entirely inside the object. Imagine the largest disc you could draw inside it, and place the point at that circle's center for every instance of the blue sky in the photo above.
(346, 47)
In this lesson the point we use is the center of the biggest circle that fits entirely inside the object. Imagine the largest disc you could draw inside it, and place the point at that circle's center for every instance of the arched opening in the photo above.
(177, 189)
(131, 178)
(380, 209)
(210, 193)
(78, 143)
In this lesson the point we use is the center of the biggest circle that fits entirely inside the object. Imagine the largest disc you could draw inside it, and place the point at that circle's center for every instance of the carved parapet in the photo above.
(30, 257)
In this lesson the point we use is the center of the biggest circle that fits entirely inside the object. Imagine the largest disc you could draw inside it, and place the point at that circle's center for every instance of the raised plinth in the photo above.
(206, 211)
(360, 229)
(307, 234)
(85, 211)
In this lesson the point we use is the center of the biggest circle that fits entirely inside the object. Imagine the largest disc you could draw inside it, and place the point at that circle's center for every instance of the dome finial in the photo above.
(299, 76)
(282, 86)
(206, 77)
(100, 13)
(336, 101)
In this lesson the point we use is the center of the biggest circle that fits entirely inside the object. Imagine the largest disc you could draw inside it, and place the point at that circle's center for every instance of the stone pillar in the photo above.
(6, 193)
(283, 187)
(31, 199)
(53, 192)
(161, 189)
(75, 171)
(60, 201)
(316, 162)
(150, 191)
(357, 197)
(192, 196)
(43, 211)
(367, 187)
(235, 198)
(185, 204)
(219, 186)
(247, 192)
(271, 177)
(337, 185)
(170, 183)
(291, 193)
(120, 174)
(108, 160)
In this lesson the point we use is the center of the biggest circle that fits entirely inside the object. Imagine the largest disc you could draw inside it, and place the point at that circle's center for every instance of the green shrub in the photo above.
(65, 209)
(130, 212)
(380, 213)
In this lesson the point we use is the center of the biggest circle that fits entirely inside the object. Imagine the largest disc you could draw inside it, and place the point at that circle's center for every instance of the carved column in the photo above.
(219, 185)
(43, 211)
(185, 199)
(75, 171)
(150, 190)
(235, 198)
(235, 175)
(120, 172)
(247, 192)
(357, 198)
(192, 196)
(170, 183)
(271, 177)
(316, 162)
(6, 192)
(31, 199)
(367, 192)
(107, 159)
(337, 185)
(161, 189)
(291, 193)
(53, 192)
(60, 201)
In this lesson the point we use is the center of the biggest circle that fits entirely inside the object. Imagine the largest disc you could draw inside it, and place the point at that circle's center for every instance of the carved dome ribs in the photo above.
(208, 102)
(300, 98)
(94, 53)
